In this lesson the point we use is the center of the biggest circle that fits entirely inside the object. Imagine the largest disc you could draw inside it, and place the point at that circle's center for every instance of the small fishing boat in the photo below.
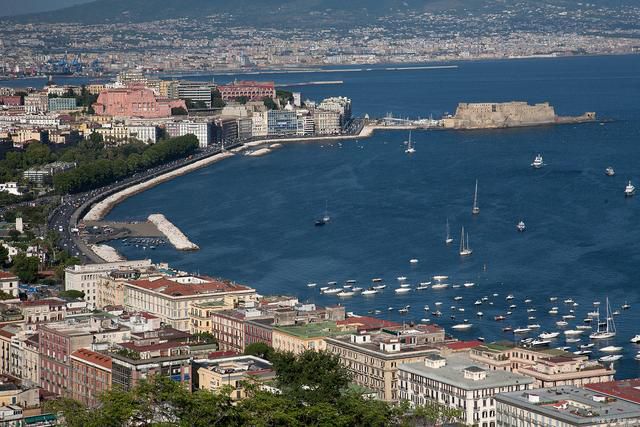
(611, 349)
(549, 335)
(611, 358)
(312, 285)
(462, 326)
(609, 171)
(402, 290)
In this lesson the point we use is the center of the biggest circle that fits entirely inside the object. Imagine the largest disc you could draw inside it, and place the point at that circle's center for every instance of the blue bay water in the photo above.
(253, 217)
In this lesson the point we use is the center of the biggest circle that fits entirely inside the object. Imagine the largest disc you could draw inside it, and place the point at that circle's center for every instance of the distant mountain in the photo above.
(16, 7)
(272, 12)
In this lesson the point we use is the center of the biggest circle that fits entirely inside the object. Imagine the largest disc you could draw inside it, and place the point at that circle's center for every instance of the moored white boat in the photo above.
(402, 290)
(549, 335)
(462, 326)
(610, 358)
(611, 349)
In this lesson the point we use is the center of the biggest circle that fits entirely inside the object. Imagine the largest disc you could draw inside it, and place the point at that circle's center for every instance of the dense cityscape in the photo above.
(89, 338)
(220, 42)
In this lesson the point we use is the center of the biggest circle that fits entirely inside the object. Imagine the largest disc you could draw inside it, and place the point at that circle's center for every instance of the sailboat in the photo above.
(476, 209)
(325, 218)
(609, 330)
(410, 149)
(465, 250)
(448, 240)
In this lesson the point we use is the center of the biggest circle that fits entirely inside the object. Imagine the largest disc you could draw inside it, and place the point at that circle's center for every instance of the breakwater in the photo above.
(176, 237)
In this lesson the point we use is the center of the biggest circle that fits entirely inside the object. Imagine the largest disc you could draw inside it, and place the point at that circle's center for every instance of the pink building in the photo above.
(136, 101)
(254, 91)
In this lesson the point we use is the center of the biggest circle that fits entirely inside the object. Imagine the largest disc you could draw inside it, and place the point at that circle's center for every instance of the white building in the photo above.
(569, 406)
(259, 124)
(202, 131)
(338, 104)
(35, 103)
(84, 278)
(11, 188)
(326, 122)
(9, 283)
(455, 381)
(146, 134)
(170, 298)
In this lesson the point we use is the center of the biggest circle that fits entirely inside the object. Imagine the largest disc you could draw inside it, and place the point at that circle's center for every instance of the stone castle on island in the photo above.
(508, 114)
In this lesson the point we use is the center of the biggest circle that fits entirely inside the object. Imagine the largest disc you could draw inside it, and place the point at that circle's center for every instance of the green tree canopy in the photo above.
(26, 268)
(260, 349)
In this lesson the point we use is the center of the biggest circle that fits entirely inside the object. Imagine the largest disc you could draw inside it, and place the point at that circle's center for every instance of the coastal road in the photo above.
(65, 218)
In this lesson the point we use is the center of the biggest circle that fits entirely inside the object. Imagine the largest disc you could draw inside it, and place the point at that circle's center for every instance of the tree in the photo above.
(298, 376)
(178, 111)
(26, 268)
(260, 349)
(71, 293)
(204, 338)
(4, 255)
(284, 96)
(242, 99)
(216, 99)
(269, 103)
(37, 154)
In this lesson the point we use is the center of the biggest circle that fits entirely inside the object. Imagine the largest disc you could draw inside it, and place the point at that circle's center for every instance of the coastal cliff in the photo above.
(507, 115)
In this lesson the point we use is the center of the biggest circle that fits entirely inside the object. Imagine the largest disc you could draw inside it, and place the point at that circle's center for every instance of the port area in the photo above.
(156, 231)
(96, 232)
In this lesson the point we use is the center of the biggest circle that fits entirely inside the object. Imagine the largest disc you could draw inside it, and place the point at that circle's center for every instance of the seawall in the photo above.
(102, 208)
(176, 237)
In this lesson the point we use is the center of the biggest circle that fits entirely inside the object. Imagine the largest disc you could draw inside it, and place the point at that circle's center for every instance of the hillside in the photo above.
(256, 12)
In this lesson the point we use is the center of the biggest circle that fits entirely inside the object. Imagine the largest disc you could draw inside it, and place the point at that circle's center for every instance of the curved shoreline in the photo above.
(103, 207)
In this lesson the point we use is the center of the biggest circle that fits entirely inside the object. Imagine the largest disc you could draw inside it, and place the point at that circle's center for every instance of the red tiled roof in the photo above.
(7, 275)
(628, 390)
(367, 323)
(42, 302)
(172, 288)
(463, 345)
(93, 357)
(6, 334)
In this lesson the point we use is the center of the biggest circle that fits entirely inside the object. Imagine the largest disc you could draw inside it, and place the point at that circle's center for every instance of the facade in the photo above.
(225, 130)
(340, 105)
(44, 310)
(59, 340)
(127, 372)
(196, 91)
(36, 103)
(327, 122)
(9, 283)
(171, 298)
(215, 374)
(567, 406)
(228, 327)
(282, 123)
(258, 330)
(135, 101)
(253, 91)
(201, 130)
(298, 339)
(124, 133)
(90, 376)
(259, 124)
(62, 104)
(85, 278)
(548, 367)
(40, 174)
(455, 381)
(374, 353)
(11, 188)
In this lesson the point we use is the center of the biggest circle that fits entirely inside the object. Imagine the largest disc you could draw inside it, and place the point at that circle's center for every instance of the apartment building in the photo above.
(85, 278)
(375, 350)
(9, 283)
(548, 367)
(171, 298)
(458, 382)
(90, 376)
(232, 372)
(569, 406)
(201, 130)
